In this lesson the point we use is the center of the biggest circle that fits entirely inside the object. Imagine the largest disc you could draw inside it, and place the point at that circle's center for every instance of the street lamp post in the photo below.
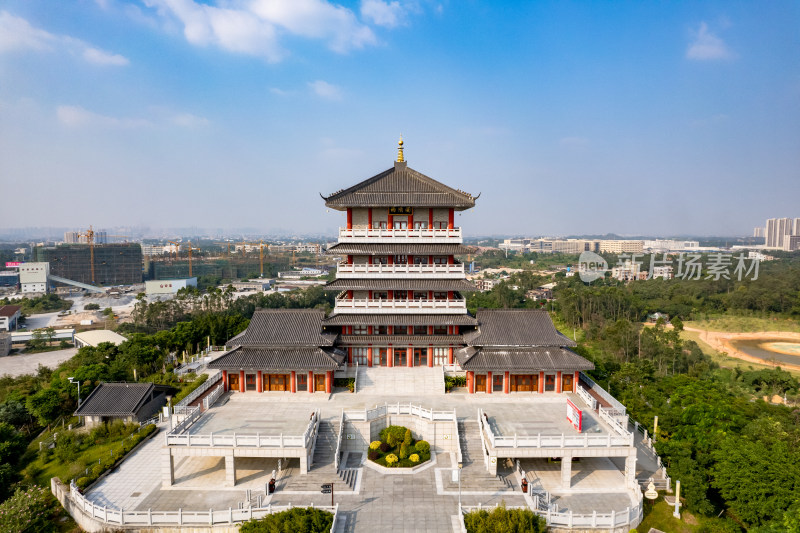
(78, 382)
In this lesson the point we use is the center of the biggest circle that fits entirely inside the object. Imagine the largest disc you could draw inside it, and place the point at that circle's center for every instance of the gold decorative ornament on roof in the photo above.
(400, 149)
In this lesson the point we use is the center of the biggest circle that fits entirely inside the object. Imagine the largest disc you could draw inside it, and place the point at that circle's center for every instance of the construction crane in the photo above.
(177, 247)
(228, 243)
(190, 259)
(89, 234)
(261, 246)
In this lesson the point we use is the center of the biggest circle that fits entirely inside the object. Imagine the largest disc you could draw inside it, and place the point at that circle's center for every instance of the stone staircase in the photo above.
(323, 469)
(401, 381)
(474, 475)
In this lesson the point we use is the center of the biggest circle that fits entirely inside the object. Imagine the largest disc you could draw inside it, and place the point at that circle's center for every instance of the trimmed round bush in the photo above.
(374, 455)
(374, 445)
(423, 447)
(414, 458)
(82, 482)
(391, 459)
(385, 447)
(391, 440)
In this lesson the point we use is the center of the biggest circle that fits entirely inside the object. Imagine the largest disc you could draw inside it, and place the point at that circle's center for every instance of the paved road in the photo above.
(18, 365)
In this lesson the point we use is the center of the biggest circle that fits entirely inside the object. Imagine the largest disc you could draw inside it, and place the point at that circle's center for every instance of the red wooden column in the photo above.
(430, 355)
(411, 220)
(369, 356)
(390, 222)
(471, 382)
(410, 354)
(350, 355)
(259, 382)
(450, 355)
(293, 384)
(541, 382)
(310, 381)
(488, 382)
(450, 219)
(329, 381)
(369, 219)
(390, 354)
(558, 382)
(241, 381)
(575, 381)
(430, 219)
(506, 382)
(225, 380)
(349, 218)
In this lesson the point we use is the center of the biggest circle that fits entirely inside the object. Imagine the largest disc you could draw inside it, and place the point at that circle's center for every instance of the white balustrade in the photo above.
(400, 271)
(365, 305)
(431, 235)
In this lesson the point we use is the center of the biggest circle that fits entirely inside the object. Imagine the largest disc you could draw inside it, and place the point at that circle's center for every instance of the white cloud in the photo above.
(388, 14)
(253, 28)
(280, 92)
(325, 90)
(99, 57)
(707, 46)
(188, 120)
(76, 117)
(16, 33)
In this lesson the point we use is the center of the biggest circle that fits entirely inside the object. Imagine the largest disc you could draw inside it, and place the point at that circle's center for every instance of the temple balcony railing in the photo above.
(394, 235)
(369, 305)
(401, 271)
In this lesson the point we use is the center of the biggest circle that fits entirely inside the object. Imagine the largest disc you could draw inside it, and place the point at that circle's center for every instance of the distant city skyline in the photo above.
(666, 120)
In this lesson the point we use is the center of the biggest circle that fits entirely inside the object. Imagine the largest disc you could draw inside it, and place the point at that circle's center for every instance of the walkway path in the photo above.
(400, 381)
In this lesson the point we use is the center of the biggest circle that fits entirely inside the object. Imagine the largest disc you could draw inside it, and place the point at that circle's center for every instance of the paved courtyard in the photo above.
(426, 501)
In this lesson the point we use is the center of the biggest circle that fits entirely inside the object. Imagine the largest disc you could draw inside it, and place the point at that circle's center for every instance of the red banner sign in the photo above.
(574, 416)
(10, 264)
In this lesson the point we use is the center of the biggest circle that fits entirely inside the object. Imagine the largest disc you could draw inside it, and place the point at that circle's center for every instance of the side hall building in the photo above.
(401, 303)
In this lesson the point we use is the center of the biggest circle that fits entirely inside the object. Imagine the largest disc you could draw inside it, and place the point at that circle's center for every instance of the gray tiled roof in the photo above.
(116, 399)
(346, 248)
(416, 340)
(400, 186)
(288, 358)
(285, 327)
(516, 327)
(401, 284)
(379, 319)
(521, 359)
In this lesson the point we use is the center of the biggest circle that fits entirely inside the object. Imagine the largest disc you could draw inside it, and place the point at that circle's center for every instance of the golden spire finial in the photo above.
(400, 149)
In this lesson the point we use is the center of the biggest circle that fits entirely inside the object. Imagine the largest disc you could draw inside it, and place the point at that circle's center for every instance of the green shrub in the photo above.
(97, 469)
(422, 447)
(414, 458)
(188, 390)
(398, 432)
(374, 445)
(308, 520)
(68, 446)
(505, 520)
(405, 450)
(30, 509)
(407, 437)
(91, 307)
(83, 482)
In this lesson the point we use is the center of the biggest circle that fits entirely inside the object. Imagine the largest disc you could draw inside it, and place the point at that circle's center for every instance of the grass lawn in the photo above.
(660, 517)
(745, 324)
(42, 472)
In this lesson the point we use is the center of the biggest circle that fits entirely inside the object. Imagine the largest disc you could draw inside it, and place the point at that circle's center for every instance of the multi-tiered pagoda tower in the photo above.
(401, 290)
(401, 303)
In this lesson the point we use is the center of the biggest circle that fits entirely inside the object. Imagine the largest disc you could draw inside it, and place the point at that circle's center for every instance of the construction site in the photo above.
(96, 264)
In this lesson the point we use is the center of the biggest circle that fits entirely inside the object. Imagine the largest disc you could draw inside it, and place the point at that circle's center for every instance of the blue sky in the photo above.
(569, 117)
